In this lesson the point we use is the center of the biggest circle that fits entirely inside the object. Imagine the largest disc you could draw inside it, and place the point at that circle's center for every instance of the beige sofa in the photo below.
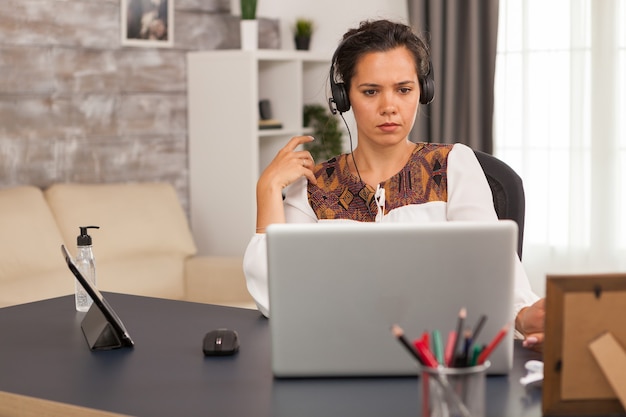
(144, 245)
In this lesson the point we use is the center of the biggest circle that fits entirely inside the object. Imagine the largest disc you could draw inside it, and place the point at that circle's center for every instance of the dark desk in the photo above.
(43, 354)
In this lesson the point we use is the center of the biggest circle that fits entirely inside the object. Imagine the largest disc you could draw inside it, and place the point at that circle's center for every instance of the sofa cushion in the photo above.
(31, 241)
(217, 280)
(135, 219)
(31, 264)
(38, 286)
(159, 276)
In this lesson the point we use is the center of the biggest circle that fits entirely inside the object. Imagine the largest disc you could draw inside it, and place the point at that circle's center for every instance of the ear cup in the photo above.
(340, 96)
(427, 86)
(337, 91)
(427, 93)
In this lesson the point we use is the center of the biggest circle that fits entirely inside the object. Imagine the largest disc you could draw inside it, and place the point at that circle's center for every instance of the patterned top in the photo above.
(447, 178)
(339, 194)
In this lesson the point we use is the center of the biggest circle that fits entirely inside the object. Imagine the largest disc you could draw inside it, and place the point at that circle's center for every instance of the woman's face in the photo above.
(384, 94)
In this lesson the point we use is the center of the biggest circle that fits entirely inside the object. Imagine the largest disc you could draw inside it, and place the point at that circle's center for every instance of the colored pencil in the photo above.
(478, 327)
(448, 353)
(425, 381)
(459, 330)
(475, 353)
(462, 359)
(438, 346)
(426, 339)
(427, 356)
(493, 344)
(398, 332)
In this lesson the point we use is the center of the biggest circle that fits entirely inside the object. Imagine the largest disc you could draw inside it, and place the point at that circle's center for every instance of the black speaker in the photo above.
(340, 102)
(265, 109)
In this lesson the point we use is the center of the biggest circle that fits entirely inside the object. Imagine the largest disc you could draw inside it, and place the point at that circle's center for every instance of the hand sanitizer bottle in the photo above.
(85, 263)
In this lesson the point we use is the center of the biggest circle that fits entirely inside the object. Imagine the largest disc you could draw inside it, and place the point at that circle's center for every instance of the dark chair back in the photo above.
(507, 190)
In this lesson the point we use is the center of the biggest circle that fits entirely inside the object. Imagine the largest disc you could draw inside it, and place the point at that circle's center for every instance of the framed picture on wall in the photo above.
(147, 23)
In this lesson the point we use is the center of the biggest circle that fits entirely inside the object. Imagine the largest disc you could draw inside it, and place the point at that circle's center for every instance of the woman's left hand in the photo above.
(530, 321)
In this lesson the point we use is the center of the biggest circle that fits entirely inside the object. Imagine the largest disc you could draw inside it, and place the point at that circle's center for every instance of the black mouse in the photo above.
(220, 342)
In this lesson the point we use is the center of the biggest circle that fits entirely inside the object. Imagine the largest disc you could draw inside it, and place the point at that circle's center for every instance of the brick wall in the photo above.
(76, 106)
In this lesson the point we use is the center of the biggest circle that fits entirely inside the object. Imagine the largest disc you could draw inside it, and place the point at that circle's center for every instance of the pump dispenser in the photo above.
(85, 263)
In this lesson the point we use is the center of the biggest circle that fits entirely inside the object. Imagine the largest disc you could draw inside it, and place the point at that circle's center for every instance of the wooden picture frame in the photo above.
(148, 23)
(579, 310)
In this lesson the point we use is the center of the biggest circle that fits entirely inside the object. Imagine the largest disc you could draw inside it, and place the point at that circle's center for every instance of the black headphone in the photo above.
(340, 102)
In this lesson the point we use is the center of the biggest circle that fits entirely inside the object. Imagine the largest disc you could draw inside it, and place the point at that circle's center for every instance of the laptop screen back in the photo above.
(336, 288)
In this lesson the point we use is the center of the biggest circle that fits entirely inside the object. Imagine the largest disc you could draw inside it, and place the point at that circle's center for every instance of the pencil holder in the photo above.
(454, 392)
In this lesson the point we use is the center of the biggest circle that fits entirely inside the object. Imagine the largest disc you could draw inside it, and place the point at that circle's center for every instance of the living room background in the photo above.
(77, 106)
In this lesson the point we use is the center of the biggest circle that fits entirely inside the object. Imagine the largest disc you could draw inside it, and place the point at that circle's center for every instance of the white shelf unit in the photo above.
(227, 151)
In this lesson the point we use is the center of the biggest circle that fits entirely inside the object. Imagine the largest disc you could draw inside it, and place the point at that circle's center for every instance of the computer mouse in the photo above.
(220, 342)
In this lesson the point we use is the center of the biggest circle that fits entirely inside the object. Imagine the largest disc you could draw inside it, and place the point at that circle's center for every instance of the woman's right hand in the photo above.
(287, 166)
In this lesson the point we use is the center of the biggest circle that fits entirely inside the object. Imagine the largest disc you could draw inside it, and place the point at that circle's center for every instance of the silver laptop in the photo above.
(336, 288)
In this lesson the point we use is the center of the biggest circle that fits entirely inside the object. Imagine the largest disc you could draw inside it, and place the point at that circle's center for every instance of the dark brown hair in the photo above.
(378, 36)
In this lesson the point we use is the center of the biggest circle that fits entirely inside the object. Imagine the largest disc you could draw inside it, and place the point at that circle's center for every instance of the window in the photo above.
(559, 97)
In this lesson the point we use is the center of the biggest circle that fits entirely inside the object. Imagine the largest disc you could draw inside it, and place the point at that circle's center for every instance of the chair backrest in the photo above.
(507, 190)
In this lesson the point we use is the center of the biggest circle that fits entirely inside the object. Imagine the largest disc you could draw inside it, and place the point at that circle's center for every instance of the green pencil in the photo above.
(475, 353)
(438, 347)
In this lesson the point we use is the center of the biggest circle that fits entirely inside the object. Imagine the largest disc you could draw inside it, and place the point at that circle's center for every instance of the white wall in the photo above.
(332, 17)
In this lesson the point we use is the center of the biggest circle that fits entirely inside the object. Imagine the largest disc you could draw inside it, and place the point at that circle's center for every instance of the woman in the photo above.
(384, 70)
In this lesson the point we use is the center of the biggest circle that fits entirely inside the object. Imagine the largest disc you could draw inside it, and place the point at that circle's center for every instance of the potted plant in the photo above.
(303, 30)
(249, 25)
(248, 9)
(326, 131)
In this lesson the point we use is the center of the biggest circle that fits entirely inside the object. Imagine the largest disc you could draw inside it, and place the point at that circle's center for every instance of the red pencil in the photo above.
(426, 339)
(493, 344)
(425, 381)
(448, 353)
(425, 353)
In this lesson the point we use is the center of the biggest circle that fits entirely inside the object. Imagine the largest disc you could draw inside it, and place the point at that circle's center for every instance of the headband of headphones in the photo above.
(340, 101)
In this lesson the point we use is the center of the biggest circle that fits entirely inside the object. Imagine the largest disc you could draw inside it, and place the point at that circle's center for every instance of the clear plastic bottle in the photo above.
(86, 264)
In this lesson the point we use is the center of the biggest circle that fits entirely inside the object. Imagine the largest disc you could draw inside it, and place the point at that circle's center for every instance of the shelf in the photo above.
(227, 150)
(285, 132)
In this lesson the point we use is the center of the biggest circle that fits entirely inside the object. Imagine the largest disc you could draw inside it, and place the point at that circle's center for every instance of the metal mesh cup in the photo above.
(454, 392)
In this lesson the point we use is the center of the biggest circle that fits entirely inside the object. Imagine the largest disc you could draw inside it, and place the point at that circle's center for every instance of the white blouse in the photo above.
(469, 198)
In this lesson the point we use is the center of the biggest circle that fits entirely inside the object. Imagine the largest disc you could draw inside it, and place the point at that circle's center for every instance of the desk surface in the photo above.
(43, 354)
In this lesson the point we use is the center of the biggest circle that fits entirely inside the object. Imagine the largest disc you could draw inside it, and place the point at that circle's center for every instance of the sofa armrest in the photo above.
(217, 280)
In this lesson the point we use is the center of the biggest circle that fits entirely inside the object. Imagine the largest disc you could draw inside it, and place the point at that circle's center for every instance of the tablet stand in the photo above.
(98, 332)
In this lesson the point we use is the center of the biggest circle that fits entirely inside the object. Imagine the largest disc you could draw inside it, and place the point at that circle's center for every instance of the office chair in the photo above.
(507, 190)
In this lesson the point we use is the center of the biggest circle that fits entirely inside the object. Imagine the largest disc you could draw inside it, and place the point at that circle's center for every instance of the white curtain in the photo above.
(560, 105)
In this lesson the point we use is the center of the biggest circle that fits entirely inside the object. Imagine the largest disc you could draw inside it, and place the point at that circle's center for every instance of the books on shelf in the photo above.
(270, 124)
